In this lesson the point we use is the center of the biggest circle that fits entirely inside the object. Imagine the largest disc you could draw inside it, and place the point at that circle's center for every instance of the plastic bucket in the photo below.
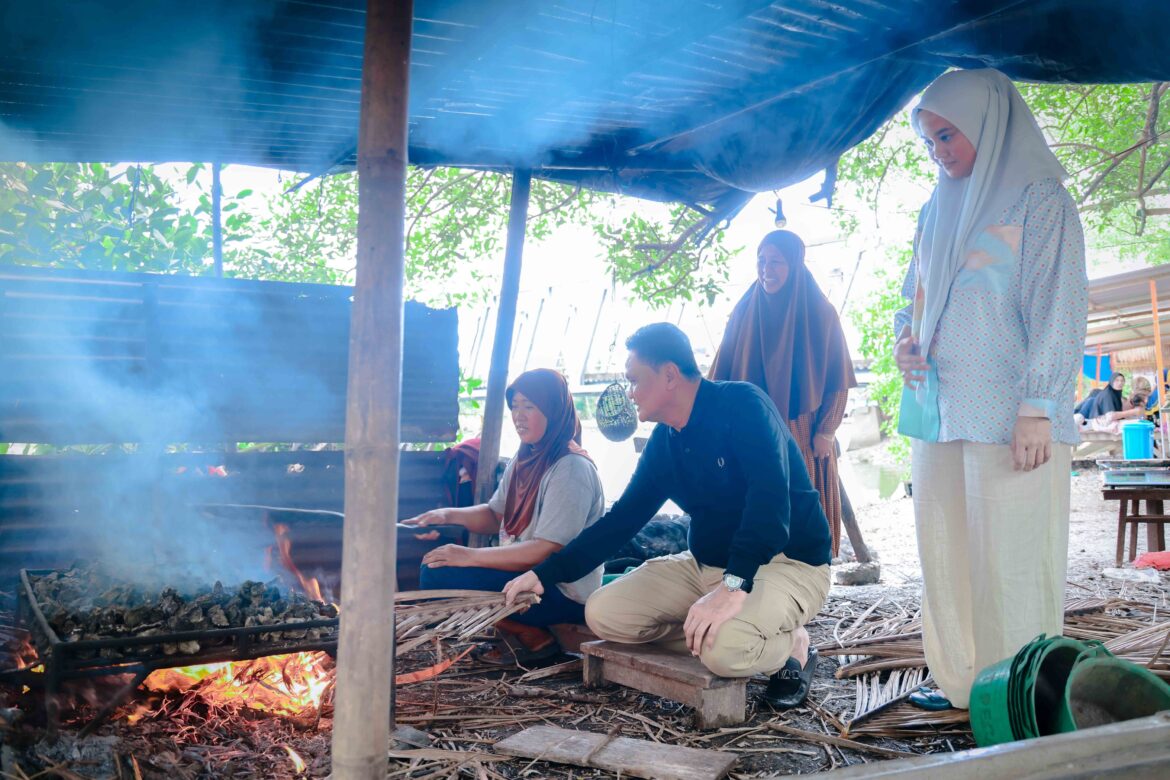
(988, 708)
(1109, 690)
(1024, 696)
(1137, 440)
(1046, 685)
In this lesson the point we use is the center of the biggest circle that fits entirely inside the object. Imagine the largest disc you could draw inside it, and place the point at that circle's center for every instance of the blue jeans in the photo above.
(554, 606)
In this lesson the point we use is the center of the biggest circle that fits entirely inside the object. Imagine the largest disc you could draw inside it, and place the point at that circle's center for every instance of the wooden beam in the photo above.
(365, 660)
(493, 411)
(1158, 360)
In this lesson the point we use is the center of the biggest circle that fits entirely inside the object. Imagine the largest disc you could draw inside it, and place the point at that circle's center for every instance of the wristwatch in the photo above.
(734, 583)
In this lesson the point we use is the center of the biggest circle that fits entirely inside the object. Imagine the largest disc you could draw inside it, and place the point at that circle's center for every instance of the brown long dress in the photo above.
(823, 473)
(791, 345)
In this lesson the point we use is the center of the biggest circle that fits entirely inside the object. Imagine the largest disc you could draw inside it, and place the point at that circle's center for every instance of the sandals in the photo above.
(510, 650)
(930, 699)
(789, 687)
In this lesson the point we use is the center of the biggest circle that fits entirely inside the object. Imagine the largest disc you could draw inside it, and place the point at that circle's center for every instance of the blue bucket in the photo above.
(1137, 440)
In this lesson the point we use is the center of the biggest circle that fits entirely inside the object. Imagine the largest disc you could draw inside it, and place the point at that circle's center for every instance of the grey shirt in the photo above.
(568, 501)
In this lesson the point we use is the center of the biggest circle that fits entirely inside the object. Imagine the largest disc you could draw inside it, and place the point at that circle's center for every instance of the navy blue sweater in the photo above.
(736, 470)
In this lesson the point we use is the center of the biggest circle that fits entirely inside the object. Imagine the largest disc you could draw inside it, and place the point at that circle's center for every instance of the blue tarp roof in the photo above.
(701, 101)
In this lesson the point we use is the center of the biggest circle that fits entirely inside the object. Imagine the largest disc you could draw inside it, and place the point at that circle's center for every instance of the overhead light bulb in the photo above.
(780, 220)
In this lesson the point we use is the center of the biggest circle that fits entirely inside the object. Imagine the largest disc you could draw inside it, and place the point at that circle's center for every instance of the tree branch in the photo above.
(422, 209)
(1081, 102)
(668, 250)
(553, 209)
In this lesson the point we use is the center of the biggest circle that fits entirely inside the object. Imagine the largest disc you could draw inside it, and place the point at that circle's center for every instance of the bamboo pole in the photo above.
(593, 335)
(1158, 359)
(365, 662)
(217, 219)
(493, 413)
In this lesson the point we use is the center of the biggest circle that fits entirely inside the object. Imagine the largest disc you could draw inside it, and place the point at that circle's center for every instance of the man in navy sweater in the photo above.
(757, 567)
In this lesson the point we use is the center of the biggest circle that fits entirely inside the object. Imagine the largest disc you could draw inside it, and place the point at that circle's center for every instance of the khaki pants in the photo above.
(994, 548)
(651, 603)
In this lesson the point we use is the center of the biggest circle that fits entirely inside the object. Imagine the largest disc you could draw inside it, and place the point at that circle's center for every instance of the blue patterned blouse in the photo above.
(1012, 335)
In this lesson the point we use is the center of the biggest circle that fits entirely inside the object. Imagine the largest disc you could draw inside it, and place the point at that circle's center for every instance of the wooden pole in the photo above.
(493, 412)
(1159, 361)
(1098, 382)
(365, 660)
(217, 219)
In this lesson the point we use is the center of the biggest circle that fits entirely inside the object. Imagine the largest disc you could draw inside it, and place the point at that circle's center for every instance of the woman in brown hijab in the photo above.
(785, 337)
(549, 493)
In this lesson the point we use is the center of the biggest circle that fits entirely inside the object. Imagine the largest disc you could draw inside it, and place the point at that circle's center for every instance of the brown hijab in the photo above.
(790, 343)
(549, 392)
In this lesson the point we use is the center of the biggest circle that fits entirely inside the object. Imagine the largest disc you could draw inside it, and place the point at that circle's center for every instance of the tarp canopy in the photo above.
(700, 101)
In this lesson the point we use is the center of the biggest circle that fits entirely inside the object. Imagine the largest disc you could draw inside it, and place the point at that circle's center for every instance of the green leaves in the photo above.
(131, 218)
(681, 257)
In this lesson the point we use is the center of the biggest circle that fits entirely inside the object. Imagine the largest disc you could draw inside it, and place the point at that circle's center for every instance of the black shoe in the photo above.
(789, 687)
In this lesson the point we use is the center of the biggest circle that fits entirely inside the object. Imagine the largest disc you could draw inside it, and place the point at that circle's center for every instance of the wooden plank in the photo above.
(621, 755)
(1134, 750)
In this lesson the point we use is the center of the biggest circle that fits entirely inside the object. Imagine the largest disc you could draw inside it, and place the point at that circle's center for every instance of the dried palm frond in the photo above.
(873, 695)
(424, 615)
(903, 719)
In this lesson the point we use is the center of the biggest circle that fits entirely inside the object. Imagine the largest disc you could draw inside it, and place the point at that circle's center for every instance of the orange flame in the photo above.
(309, 585)
(281, 684)
(298, 762)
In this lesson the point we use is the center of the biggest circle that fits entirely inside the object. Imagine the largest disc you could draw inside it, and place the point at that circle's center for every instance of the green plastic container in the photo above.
(1045, 683)
(990, 716)
(1023, 696)
(608, 578)
(1107, 690)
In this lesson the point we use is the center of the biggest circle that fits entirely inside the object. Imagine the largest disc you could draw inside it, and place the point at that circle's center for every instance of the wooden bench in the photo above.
(717, 701)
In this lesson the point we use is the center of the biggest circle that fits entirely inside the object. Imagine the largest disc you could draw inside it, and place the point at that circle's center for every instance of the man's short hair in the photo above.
(661, 342)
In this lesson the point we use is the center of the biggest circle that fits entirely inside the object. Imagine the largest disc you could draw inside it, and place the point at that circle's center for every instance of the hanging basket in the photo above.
(616, 417)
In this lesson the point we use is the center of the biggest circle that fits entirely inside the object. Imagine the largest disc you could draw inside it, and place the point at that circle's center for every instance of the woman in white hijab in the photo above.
(989, 351)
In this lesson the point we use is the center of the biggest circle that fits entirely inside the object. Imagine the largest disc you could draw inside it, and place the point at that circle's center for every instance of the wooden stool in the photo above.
(717, 701)
(1154, 519)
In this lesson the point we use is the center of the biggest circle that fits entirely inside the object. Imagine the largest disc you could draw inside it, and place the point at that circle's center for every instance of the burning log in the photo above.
(83, 603)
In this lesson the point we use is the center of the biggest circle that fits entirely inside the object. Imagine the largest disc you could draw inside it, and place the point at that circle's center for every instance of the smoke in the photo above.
(165, 365)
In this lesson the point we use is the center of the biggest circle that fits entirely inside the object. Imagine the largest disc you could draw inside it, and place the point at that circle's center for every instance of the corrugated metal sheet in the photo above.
(1121, 311)
(57, 509)
(97, 358)
(692, 100)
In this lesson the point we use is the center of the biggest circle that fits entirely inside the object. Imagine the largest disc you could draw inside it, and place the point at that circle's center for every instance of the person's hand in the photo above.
(449, 555)
(910, 362)
(527, 582)
(1031, 442)
(440, 516)
(823, 446)
(708, 614)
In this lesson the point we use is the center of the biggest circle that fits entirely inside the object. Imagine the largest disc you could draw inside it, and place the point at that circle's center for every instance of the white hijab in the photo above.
(1010, 154)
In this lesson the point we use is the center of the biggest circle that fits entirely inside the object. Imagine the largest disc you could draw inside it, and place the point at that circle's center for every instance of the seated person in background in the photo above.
(549, 493)
(1133, 408)
(1103, 400)
(758, 565)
